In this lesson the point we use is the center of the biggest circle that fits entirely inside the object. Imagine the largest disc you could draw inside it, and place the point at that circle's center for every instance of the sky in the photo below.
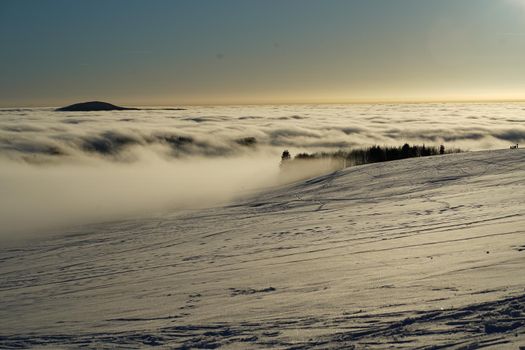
(169, 52)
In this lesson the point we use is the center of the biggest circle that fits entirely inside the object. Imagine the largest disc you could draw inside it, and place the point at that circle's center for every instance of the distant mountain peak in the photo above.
(93, 106)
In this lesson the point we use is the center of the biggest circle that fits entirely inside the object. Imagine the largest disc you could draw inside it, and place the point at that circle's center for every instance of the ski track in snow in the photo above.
(423, 253)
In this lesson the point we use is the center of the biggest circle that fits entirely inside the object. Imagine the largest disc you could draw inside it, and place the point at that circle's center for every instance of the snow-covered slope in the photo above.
(413, 253)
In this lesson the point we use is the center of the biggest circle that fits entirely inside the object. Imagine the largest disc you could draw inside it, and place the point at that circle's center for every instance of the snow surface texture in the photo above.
(418, 253)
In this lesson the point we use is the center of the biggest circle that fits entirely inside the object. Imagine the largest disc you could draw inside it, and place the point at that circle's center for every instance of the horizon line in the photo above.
(292, 102)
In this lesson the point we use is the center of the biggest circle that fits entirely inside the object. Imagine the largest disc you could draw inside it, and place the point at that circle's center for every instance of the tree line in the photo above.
(373, 154)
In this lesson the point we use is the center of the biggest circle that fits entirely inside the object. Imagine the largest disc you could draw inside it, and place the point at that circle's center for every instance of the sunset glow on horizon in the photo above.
(261, 52)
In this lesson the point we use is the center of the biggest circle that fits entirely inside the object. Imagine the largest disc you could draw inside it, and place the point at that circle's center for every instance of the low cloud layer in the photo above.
(37, 199)
(42, 136)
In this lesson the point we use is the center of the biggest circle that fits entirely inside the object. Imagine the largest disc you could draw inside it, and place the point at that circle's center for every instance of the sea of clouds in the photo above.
(46, 136)
(62, 168)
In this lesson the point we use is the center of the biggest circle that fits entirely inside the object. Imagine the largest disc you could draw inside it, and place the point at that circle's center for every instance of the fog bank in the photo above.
(43, 198)
(46, 136)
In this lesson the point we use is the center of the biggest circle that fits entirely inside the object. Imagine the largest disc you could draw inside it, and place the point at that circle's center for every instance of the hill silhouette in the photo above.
(93, 106)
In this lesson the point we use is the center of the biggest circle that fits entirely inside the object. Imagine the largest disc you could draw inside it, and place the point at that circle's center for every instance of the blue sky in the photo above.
(260, 51)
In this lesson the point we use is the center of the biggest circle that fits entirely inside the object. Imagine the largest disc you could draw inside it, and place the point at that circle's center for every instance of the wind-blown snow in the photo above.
(413, 253)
